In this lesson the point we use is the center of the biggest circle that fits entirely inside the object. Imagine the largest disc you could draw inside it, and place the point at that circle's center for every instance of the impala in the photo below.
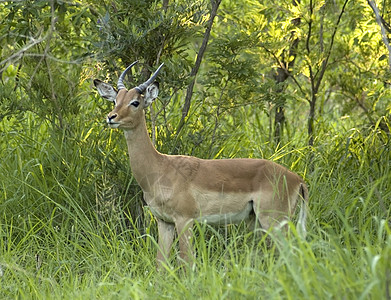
(182, 189)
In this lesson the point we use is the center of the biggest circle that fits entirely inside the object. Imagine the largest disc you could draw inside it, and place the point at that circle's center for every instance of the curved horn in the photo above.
(142, 87)
(120, 84)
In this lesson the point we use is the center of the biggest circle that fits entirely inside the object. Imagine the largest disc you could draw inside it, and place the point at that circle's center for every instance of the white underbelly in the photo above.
(227, 218)
(213, 219)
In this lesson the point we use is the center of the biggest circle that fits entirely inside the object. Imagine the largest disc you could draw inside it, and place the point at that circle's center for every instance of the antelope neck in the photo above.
(144, 158)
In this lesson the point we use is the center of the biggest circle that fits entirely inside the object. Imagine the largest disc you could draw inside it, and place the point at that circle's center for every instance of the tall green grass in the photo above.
(72, 226)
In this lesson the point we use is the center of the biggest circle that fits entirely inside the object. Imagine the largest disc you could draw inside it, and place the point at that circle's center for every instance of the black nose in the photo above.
(111, 117)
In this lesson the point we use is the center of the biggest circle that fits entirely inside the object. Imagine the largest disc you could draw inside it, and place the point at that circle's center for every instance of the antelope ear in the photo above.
(105, 90)
(151, 93)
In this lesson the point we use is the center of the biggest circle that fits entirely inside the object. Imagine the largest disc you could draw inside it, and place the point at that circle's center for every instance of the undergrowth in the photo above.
(72, 224)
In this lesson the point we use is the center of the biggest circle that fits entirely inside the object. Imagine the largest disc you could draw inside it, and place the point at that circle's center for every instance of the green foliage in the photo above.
(44, 47)
(146, 31)
(72, 224)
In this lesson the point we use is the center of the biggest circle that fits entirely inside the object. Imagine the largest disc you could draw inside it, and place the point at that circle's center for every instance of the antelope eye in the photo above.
(135, 103)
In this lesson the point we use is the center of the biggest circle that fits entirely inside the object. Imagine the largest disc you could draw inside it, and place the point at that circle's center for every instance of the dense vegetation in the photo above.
(304, 83)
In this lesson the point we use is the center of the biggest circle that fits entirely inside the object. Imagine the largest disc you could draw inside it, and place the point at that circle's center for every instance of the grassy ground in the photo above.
(66, 233)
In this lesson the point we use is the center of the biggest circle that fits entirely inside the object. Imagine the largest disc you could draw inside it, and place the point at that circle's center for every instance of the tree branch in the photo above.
(5, 63)
(372, 4)
(194, 71)
(326, 60)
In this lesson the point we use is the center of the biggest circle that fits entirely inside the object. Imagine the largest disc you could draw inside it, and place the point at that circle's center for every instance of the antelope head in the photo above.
(129, 104)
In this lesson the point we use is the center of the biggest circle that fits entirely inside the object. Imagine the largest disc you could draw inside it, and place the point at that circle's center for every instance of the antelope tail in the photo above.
(301, 223)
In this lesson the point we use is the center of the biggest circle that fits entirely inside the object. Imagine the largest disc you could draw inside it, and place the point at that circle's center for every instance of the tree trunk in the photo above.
(317, 77)
(311, 121)
(279, 115)
(194, 71)
(281, 76)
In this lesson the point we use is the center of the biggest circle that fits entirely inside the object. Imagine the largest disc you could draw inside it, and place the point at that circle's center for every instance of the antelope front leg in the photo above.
(166, 237)
(184, 228)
